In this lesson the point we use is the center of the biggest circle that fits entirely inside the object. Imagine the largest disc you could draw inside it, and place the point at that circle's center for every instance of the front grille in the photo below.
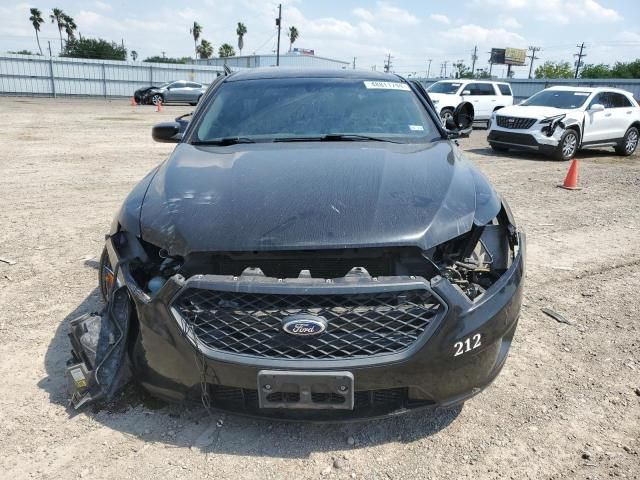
(244, 399)
(515, 123)
(359, 324)
(512, 138)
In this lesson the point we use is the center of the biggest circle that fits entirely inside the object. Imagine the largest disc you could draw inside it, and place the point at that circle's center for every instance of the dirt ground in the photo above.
(567, 404)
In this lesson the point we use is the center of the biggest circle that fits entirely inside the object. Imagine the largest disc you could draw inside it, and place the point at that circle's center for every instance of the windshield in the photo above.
(315, 108)
(444, 87)
(558, 99)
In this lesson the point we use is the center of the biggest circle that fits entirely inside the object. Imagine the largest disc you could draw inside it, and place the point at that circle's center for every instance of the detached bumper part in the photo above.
(98, 367)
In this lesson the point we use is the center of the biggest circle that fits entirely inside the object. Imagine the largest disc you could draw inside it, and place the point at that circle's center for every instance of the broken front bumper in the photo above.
(459, 352)
(534, 139)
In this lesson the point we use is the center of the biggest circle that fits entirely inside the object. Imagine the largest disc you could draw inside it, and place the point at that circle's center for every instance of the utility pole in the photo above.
(354, 63)
(279, 24)
(429, 67)
(445, 69)
(533, 57)
(387, 65)
(474, 57)
(579, 55)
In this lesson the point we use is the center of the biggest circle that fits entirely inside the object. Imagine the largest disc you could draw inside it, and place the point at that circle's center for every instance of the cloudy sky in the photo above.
(412, 31)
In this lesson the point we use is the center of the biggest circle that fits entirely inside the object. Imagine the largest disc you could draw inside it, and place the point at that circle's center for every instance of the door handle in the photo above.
(607, 114)
(629, 112)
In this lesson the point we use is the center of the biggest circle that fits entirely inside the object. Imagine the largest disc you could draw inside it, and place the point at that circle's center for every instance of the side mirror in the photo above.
(466, 92)
(167, 132)
(460, 124)
(597, 107)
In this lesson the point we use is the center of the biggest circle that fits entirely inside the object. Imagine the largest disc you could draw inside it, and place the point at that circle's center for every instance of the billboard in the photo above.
(497, 56)
(508, 56)
(515, 56)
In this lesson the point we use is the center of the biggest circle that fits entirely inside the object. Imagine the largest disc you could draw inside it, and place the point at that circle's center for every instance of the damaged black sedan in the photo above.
(315, 247)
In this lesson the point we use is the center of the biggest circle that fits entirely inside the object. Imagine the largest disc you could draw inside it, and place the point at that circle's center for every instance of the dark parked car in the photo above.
(316, 246)
(181, 91)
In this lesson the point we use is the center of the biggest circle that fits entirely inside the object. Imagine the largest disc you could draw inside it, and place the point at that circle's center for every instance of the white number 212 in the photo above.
(467, 345)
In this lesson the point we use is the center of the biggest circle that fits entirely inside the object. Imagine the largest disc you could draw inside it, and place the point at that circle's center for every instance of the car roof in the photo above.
(469, 80)
(589, 89)
(286, 72)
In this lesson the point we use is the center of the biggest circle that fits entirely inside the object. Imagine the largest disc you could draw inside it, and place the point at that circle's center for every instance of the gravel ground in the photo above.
(567, 404)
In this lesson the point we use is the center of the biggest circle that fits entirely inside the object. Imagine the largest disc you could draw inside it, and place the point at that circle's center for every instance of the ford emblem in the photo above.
(304, 324)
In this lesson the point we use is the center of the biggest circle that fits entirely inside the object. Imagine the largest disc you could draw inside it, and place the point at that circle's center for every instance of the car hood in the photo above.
(441, 97)
(531, 111)
(313, 196)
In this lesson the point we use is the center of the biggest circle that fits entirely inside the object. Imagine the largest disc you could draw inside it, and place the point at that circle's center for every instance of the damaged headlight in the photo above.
(476, 260)
(550, 124)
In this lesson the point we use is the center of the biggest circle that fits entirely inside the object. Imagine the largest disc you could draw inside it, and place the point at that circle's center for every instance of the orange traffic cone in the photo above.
(133, 102)
(571, 180)
(159, 106)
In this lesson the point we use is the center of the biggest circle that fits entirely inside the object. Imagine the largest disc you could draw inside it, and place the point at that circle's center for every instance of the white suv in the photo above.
(561, 120)
(486, 97)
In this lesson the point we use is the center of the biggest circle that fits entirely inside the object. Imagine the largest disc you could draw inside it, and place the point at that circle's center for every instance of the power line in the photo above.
(579, 55)
(533, 57)
(474, 57)
(387, 65)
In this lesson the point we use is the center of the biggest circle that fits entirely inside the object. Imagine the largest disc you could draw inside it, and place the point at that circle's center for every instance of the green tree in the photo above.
(205, 49)
(94, 48)
(134, 55)
(160, 59)
(554, 70)
(196, 31)
(69, 26)
(626, 70)
(226, 50)
(461, 70)
(241, 31)
(24, 52)
(58, 17)
(36, 20)
(596, 71)
(293, 35)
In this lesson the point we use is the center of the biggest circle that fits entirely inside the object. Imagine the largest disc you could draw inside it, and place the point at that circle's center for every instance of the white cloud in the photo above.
(557, 11)
(387, 13)
(436, 17)
(475, 34)
(102, 5)
(508, 22)
(627, 36)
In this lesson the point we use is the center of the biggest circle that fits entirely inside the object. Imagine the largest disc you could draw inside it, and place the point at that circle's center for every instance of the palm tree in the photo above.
(241, 31)
(134, 55)
(226, 50)
(293, 35)
(36, 20)
(205, 49)
(196, 30)
(58, 17)
(69, 26)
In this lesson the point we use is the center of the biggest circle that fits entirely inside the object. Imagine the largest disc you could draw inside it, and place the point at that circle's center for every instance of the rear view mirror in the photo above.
(170, 132)
(167, 132)
(597, 107)
(466, 92)
(461, 122)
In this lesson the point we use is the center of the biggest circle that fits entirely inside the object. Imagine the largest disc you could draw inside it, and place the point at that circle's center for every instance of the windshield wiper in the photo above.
(225, 141)
(336, 137)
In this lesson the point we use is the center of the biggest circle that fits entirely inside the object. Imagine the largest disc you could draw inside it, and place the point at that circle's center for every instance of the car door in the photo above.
(194, 90)
(481, 96)
(505, 99)
(599, 126)
(622, 113)
(177, 92)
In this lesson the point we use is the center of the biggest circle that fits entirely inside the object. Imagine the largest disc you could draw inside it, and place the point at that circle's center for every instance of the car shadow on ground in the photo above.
(134, 412)
(590, 154)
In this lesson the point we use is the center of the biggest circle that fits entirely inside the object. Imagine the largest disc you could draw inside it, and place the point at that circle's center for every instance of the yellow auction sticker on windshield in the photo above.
(386, 85)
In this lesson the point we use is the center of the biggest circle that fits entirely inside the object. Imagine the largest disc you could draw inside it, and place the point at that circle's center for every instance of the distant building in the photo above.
(297, 58)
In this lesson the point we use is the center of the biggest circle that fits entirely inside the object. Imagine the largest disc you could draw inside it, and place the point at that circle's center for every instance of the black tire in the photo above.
(498, 148)
(567, 146)
(446, 113)
(104, 269)
(629, 142)
(155, 98)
